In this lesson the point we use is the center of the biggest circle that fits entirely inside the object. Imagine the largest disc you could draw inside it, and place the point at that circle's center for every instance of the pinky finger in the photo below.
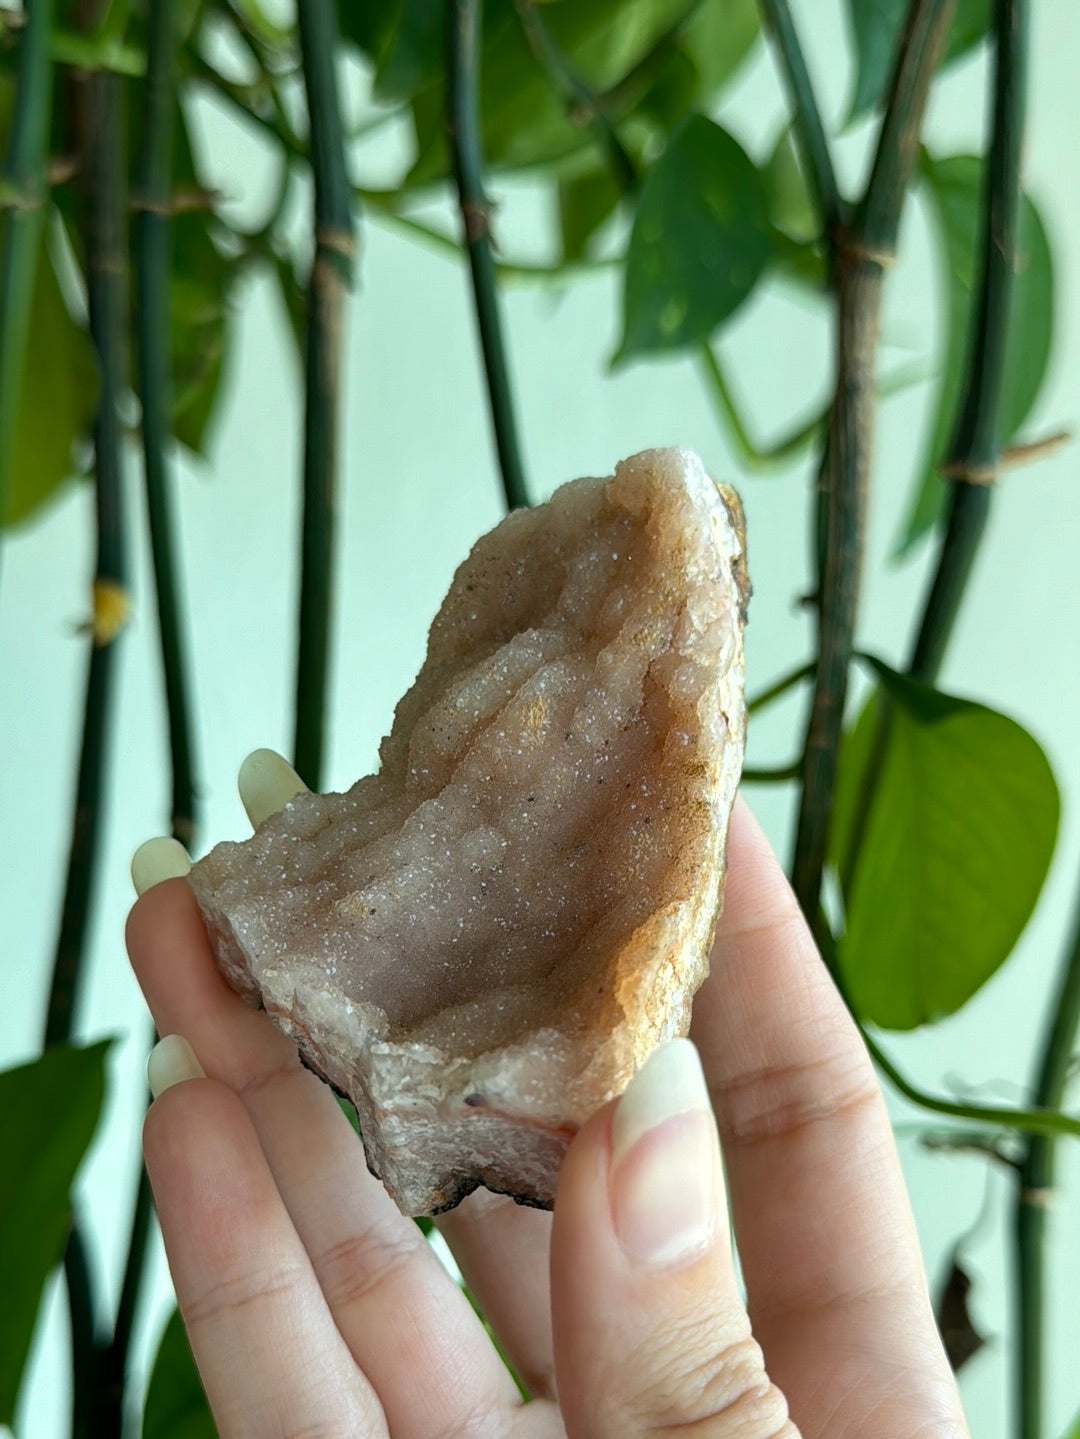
(269, 1355)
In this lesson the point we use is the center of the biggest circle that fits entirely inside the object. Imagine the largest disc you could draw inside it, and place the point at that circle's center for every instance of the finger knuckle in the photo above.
(354, 1269)
(234, 1293)
(698, 1387)
(778, 1101)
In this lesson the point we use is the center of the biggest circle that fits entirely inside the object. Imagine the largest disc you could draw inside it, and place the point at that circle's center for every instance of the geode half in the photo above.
(482, 942)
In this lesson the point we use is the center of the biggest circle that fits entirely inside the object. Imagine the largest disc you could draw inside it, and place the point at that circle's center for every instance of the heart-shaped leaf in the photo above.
(48, 1113)
(953, 187)
(941, 870)
(700, 242)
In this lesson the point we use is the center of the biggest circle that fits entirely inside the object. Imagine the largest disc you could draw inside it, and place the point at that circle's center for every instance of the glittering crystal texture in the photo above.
(480, 943)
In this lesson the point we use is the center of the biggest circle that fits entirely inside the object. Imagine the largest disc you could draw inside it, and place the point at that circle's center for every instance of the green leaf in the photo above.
(875, 27)
(711, 46)
(1073, 1431)
(585, 203)
(790, 206)
(941, 875)
(700, 241)
(524, 120)
(199, 296)
(48, 1113)
(953, 187)
(176, 1406)
(57, 397)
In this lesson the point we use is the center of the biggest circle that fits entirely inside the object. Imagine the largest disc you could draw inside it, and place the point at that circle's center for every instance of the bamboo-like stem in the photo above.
(22, 219)
(105, 283)
(861, 256)
(463, 126)
(331, 277)
(152, 241)
(105, 280)
(152, 238)
(972, 460)
(806, 117)
(1034, 1192)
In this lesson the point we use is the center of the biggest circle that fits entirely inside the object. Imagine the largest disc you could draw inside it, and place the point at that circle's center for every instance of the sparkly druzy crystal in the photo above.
(480, 943)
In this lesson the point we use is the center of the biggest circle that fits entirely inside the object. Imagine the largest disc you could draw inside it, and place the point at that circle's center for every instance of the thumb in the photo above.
(650, 1333)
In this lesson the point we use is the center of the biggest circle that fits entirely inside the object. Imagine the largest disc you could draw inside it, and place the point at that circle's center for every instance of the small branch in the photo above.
(331, 276)
(920, 48)
(780, 775)
(21, 224)
(781, 687)
(1024, 452)
(584, 108)
(806, 117)
(1035, 1189)
(382, 209)
(751, 455)
(463, 127)
(861, 256)
(1039, 1121)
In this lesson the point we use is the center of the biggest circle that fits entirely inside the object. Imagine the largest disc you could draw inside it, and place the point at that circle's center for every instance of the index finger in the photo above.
(834, 1276)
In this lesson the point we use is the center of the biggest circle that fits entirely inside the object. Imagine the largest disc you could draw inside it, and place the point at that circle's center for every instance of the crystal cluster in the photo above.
(481, 942)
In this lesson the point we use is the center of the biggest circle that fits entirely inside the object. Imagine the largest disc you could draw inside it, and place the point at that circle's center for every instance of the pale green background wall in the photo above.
(421, 485)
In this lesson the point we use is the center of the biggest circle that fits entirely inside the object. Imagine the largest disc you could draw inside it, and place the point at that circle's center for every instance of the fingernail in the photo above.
(158, 860)
(172, 1060)
(267, 783)
(664, 1161)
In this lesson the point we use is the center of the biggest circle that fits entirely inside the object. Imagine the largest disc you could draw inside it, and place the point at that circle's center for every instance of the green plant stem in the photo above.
(782, 774)
(152, 244)
(861, 256)
(751, 455)
(1035, 1190)
(331, 277)
(463, 126)
(1046, 1121)
(781, 687)
(85, 1398)
(22, 218)
(381, 209)
(101, 130)
(152, 239)
(1041, 1120)
(806, 117)
(972, 459)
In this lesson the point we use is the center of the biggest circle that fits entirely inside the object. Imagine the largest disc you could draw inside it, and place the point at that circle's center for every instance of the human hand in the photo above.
(315, 1308)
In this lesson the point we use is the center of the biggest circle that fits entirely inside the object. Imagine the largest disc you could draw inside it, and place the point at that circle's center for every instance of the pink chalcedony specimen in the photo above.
(480, 944)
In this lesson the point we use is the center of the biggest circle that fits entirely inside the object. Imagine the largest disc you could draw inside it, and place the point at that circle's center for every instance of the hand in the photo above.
(314, 1308)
